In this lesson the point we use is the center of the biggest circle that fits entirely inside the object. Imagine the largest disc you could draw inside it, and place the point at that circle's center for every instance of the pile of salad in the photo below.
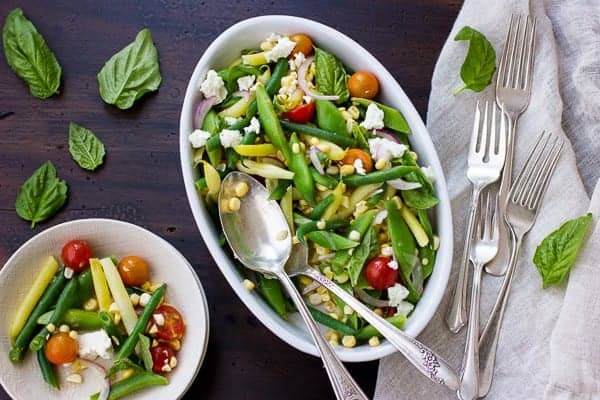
(340, 164)
(103, 314)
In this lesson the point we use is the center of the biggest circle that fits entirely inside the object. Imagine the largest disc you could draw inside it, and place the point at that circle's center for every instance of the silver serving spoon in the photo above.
(425, 360)
(260, 238)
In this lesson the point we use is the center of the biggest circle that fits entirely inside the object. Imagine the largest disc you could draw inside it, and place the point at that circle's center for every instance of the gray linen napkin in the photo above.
(526, 363)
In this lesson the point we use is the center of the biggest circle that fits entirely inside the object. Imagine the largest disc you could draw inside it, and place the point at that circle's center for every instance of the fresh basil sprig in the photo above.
(330, 75)
(555, 256)
(42, 195)
(130, 73)
(479, 65)
(85, 147)
(29, 56)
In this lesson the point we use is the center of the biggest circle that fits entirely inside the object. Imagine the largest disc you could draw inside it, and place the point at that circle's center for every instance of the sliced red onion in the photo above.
(401, 184)
(384, 133)
(314, 159)
(202, 109)
(242, 93)
(370, 300)
(310, 287)
(304, 84)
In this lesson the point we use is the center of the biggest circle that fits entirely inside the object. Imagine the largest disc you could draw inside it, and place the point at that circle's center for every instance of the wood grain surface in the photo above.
(140, 181)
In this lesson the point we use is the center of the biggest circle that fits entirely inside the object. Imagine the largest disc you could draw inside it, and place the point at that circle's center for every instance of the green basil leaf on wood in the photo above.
(85, 147)
(42, 195)
(480, 63)
(330, 76)
(130, 73)
(29, 56)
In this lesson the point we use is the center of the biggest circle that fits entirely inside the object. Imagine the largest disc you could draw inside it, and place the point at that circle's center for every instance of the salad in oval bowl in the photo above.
(330, 133)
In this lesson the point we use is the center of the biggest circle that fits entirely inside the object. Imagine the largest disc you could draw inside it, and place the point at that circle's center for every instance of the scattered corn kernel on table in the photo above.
(140, 180)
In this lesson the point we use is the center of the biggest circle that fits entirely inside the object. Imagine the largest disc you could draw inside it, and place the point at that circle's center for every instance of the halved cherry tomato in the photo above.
(379, 274)
(173, 326)
(363, 84)
(61, 348)
(303, 44)
(133, 270)
(358, 154)
(76, 255)
(301, 114)
(161, 356)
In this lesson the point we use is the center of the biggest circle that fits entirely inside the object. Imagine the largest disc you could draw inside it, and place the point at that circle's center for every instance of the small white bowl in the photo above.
(248, 34)
(107, 238)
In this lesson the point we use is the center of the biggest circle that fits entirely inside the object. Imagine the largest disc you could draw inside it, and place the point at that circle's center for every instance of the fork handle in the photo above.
(457, 312)
(488, 342)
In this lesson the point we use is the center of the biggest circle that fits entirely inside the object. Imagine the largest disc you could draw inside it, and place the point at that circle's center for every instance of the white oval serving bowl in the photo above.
(226, 48)
(107, 238)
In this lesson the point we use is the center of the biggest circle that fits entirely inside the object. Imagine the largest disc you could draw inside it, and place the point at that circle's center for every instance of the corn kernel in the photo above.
(425, 261)
(325, 297)
(346, 115)
(155, 343)
(166, 368)
(153, 329)
(173, 362)
(334, 315)
(332, 335)
(321, 250)
(381, 164)
(73, 334)
(386, 250)
(74, 378)
(225, 206)
(117, 318)
(348, 310)
(315, 299)
(345, 201)
(90, 305)
(328, 272)
(346, 170)
(295, 239)
(354, 112)
(378, 311)
(302, 146)
(175, 344)
(342, 278)
(314, 141)
(333, 170)
(374, 341)
(322, 290)
(248, 284)
(414, 155)
(64, 328)
(321, 224)
(134, 298)
(241, 189)
(113, 308)
(51, 328)
(305, 280)
(127, 373)
(234, 204)
(324, 147)
(329, 306)
(349, 341)
(321, 188)
(383, 237)
(436, 242)
(354, 235)
(295, 148)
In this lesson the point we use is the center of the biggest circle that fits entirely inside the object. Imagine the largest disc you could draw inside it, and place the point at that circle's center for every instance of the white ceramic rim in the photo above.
(146, 231)
(209, 234)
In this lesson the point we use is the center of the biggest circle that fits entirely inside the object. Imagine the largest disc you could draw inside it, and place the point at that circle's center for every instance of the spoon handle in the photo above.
(344, 386)
(423, 358)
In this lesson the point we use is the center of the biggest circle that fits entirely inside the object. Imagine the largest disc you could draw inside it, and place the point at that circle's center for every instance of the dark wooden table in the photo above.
(141, 180)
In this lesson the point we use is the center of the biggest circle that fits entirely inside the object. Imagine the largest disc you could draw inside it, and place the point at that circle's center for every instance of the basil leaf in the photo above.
(121, 365)
(331, 240)
(42, 195)
(85, 147)
(29, 56)
(329, 118)
(144, 348)
(131, 73)
(555, 256)
(330, 76)
(230, 75)
(359, 257)
(479, 65)
(392, 118)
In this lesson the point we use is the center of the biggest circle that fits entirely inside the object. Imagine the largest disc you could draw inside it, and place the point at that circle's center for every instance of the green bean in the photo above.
(86, 287)
(302, 178)
(379, 176)
(48, 372)
(329, 322)
(201, 184)
(427, 253)
(320, 208)
(369, 331)
(332, 137)
(270, 122)
(331, 240)
(280, 189)
(213, 148)
(76, 319)
(363, 222)
(375, 198)
(47, 300)
(272, 292)
(325, 180)
(65, 301)
(329, 118)
(392, 118)
(404, 247)
(131, 341)
(109, 326)
(300, 219)
(311, 226)
(132, 384)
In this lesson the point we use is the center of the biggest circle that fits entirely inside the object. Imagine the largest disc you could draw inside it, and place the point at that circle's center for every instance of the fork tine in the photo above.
(501, 78)
(544, 164)
(519, 186)
(510, 40)
(520, 44)
(492, 140)
(529, 57)
(543, 186)
(475, 133)
(510, 74)
(484, 131)
(537, 168)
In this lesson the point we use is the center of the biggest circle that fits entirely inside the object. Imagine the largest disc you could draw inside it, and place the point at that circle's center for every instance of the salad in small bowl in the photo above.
(97, 318)
(339, 159)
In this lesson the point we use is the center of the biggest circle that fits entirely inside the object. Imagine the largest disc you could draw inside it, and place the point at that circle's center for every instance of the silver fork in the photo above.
(523, 205)
(486, 158)
(483, 250)
(513, 91)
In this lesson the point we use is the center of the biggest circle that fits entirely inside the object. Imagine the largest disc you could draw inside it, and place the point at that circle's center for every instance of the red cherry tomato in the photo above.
(161, 356)
(173, 326)
(76, 255)
(301, 114)
(379, 275)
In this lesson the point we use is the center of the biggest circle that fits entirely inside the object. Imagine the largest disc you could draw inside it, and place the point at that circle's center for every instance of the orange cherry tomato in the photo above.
(363, 84)
(173, 326)
(301, 114)
(303, 44)
(358, 154)
(134, 270)
(61, 348)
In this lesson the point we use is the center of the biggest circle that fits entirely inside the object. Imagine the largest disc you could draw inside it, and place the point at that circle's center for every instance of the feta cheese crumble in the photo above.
(254, 126)
(282, 49)
(297, 61)
(393, 264)
(385, 149)
(358, 166)
(213, 85)
(198, 138)
(396, 296)
(230, 137)
(231, 120)
(246, 82)
(373, 117)
(94, 344)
